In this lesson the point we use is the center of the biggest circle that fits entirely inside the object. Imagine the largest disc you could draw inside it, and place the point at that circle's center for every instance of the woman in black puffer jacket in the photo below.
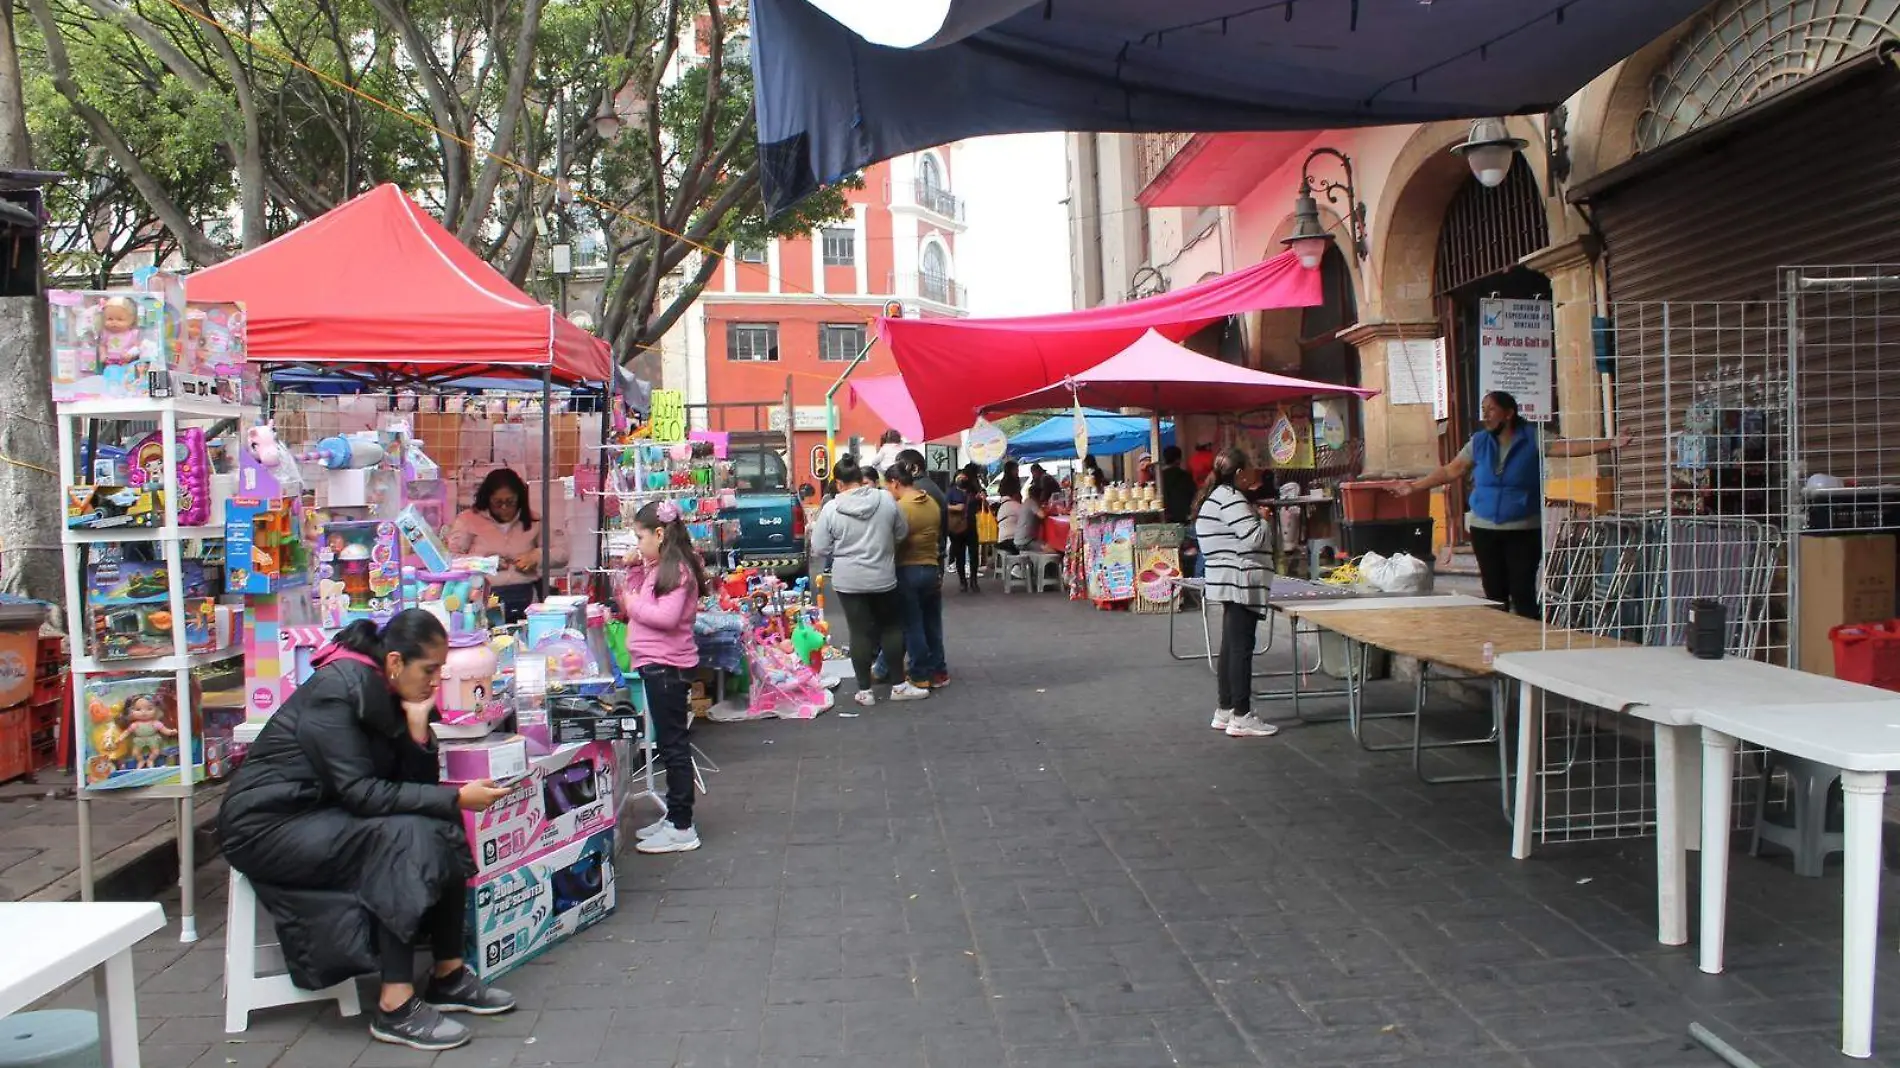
(339, 819)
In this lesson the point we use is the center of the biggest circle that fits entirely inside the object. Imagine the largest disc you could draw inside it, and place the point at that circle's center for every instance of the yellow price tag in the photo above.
(669, 415)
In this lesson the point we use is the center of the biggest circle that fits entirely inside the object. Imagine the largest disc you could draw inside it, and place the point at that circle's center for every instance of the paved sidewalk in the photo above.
(1056, 863)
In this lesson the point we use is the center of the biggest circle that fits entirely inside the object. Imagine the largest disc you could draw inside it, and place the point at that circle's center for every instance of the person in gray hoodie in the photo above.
(856, 533)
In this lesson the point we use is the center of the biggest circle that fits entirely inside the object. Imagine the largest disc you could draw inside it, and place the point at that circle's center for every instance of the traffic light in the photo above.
(893, 309)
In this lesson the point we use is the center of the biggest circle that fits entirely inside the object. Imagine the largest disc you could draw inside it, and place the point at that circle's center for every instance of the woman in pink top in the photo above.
(660, 593)
(502, 524)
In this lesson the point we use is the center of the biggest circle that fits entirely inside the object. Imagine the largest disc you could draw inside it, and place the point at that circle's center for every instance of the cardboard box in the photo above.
(1845, 579)
(568, 795)
(500, 757)
(518, 914)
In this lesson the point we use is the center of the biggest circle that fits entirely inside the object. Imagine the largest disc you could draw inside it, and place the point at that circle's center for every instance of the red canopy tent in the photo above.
(1158, 375)
(952, 369)
(378, 283)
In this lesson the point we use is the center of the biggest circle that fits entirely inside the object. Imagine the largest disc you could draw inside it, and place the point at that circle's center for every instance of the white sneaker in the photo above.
(652, 829)
(671, 840)
(865, 698)
(1250, 726)
(1222, 717)
(904, 691)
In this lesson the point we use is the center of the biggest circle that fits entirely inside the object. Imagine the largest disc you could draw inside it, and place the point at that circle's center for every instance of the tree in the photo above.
(281, 109)
(30, 558)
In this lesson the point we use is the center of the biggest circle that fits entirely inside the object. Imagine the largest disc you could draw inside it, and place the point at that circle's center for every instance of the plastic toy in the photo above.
(518, 914)
(422, 540)
(265, 468)
(347, 453)
(265, 547)
(808, 644)
(105, 507)
(147, 463)
(360, 573)
(129, 733)
(467, 690)
(132, 631)
(140, 582)
(105, 343)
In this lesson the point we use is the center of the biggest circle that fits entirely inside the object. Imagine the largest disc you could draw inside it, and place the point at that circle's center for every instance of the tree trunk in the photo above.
(30, 560)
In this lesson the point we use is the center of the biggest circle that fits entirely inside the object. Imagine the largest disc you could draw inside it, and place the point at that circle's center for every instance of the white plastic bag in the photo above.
(1401, 573)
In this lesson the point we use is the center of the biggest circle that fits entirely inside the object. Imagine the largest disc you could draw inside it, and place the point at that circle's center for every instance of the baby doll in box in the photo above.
(104, 343)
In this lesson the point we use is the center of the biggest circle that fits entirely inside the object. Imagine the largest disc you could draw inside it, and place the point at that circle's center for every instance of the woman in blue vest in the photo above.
(1506, 504)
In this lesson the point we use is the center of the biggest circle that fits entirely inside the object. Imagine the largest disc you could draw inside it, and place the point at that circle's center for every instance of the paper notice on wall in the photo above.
(1514, 353)
(1441, 382)
(1408, 371)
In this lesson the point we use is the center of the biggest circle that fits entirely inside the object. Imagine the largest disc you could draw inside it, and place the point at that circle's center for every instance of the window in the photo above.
(751, 253)
(929, 174)
(841, 246)
(752, 342)
(840, 342)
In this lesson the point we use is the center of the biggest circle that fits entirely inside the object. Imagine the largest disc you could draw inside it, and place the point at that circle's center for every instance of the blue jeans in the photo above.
(922, 590)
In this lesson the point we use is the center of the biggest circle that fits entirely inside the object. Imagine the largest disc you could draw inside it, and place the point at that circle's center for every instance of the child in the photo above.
(661, 596)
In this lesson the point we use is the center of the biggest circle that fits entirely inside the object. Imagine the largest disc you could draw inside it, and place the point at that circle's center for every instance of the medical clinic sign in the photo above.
(1514, 353)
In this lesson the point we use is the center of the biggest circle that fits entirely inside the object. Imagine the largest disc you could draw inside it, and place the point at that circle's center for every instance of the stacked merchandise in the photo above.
(695, 475)
(784, 637)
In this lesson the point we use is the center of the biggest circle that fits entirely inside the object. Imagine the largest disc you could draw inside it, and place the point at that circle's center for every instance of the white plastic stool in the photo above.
(1045, 571)
(245, 991)
(1014, 570)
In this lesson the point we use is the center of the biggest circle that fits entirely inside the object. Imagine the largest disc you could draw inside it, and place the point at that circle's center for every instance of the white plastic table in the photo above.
(1667, 687)
(1863, 741)
(48, 945)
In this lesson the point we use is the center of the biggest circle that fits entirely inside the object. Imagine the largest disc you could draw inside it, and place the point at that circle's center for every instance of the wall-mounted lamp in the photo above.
(1489, 149)
(1310, 236)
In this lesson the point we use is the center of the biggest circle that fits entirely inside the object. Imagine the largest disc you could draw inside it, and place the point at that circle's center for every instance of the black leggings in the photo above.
(1507, 565)
(963, 555)
(1234, 672)
(441, 932)
(876, 621)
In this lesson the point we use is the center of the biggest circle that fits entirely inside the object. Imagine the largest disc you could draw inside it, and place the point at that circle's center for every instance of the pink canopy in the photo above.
(953, 369)
(1159, 375)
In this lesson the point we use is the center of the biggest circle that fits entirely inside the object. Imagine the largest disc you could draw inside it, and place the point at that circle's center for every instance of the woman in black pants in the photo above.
(1237, 554)
(1506, 506)
(857, 533)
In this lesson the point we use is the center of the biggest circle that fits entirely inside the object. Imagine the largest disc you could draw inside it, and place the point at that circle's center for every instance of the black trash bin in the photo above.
(1389, 537)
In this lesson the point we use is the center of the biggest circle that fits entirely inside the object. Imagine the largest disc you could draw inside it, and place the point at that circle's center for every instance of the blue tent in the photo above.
(1110, 434)
(830, 102)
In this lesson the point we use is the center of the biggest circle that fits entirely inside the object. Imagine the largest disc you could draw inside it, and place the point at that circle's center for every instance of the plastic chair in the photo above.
(1813, 797)
(246, 991)
(1015, 570)
(1045, 571)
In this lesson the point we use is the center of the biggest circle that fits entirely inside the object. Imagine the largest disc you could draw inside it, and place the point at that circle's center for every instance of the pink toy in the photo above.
(194, 473)
(119, 339)
(782, 686)
(265, 468)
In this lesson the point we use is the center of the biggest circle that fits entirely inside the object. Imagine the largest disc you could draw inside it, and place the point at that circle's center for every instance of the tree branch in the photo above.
(443, 104)
(504, 142)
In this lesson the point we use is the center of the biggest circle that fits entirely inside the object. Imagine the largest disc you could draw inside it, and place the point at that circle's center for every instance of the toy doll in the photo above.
(120, 343)
(147, 731)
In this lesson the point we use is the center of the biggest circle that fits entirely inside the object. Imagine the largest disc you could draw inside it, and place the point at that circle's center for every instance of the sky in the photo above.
(1015, 256)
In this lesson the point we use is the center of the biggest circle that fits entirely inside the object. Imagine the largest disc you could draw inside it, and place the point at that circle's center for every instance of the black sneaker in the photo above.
(418, 1025)
(462, 992)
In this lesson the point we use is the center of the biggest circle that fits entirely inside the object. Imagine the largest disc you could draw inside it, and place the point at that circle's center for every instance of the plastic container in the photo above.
(1868, 653)
(468, 677)
(1372, 501)
(1389, 537)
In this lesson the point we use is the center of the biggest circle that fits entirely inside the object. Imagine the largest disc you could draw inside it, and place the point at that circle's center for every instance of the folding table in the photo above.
(49, 944)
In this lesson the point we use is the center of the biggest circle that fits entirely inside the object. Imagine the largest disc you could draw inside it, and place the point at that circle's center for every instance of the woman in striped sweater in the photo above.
(1237, 561)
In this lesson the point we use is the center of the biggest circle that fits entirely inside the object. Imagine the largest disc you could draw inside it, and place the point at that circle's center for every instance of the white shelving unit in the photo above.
(169, 414)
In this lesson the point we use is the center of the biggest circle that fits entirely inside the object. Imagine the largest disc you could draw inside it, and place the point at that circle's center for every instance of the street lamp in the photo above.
(607, 121)
(1489, 149)
(1310, 237)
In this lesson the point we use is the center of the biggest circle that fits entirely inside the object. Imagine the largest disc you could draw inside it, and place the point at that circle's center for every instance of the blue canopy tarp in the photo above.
(830, 102)
(1110, 434)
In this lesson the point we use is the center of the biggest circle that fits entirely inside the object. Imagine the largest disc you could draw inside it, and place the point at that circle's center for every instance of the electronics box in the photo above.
(516, 915)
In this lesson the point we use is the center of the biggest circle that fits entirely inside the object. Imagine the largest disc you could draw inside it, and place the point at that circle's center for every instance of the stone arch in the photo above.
(1411, 210)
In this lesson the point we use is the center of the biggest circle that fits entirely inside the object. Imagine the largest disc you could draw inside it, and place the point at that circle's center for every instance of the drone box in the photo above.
(516, 915)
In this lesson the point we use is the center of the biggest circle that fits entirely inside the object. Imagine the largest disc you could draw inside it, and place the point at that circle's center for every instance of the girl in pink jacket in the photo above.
(660, 593)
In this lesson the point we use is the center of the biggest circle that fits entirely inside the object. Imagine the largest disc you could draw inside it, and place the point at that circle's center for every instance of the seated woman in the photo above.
(338, 818)
(502, 524)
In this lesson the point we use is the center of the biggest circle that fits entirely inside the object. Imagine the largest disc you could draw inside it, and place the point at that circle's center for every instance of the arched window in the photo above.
(1742, 51)
(936, 264)
(933, 282)
(929, 174)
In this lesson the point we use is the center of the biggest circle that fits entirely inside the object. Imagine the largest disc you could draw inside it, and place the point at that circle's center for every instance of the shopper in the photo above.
(1505, 512)
(1008, 514)
(856, 535)
(1236, 552)
(920, 580)
(339, 818)
(888, 450)
(660, 592)
(502, 524)
(1177, 487)
(1028, 530)
(964, 504)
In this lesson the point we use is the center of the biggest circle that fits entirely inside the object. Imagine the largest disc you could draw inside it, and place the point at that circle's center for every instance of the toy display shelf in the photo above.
(170, 414)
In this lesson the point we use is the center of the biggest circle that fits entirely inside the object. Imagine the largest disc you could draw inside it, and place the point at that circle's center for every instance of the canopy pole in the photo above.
(831, 403)
(1154, 438)
(547, 478)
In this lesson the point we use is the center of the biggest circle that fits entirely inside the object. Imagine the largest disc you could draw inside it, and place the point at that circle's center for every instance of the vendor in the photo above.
(501, 524)
(1506, 508)
(338, 817)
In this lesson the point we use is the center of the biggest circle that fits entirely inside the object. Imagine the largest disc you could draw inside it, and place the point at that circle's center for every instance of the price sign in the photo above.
(669, 415)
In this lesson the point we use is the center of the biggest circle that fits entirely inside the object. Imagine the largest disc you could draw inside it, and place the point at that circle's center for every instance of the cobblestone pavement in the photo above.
(1056, 863)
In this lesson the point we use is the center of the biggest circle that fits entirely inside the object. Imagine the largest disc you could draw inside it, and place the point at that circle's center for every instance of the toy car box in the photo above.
(516, 915)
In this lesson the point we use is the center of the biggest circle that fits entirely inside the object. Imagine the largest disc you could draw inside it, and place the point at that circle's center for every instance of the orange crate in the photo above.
(1365, 502)
(16, 744)
(1868, 653)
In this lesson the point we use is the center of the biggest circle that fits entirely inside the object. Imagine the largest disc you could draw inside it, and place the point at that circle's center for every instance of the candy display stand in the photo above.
(137, 730)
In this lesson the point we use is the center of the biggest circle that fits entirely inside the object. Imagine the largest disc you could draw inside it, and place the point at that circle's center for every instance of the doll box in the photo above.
(516, 915)
(128, 734)
(568, 794)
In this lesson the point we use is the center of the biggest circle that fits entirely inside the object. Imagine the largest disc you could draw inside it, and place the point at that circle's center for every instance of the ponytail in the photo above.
(1230, 462)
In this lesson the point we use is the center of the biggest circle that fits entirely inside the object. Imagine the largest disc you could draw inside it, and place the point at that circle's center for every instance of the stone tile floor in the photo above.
(1056, 863)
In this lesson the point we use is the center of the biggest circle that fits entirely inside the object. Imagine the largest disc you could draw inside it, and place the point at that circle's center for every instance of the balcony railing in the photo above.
(1155, 150)
(935, 198)
(932, 287)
